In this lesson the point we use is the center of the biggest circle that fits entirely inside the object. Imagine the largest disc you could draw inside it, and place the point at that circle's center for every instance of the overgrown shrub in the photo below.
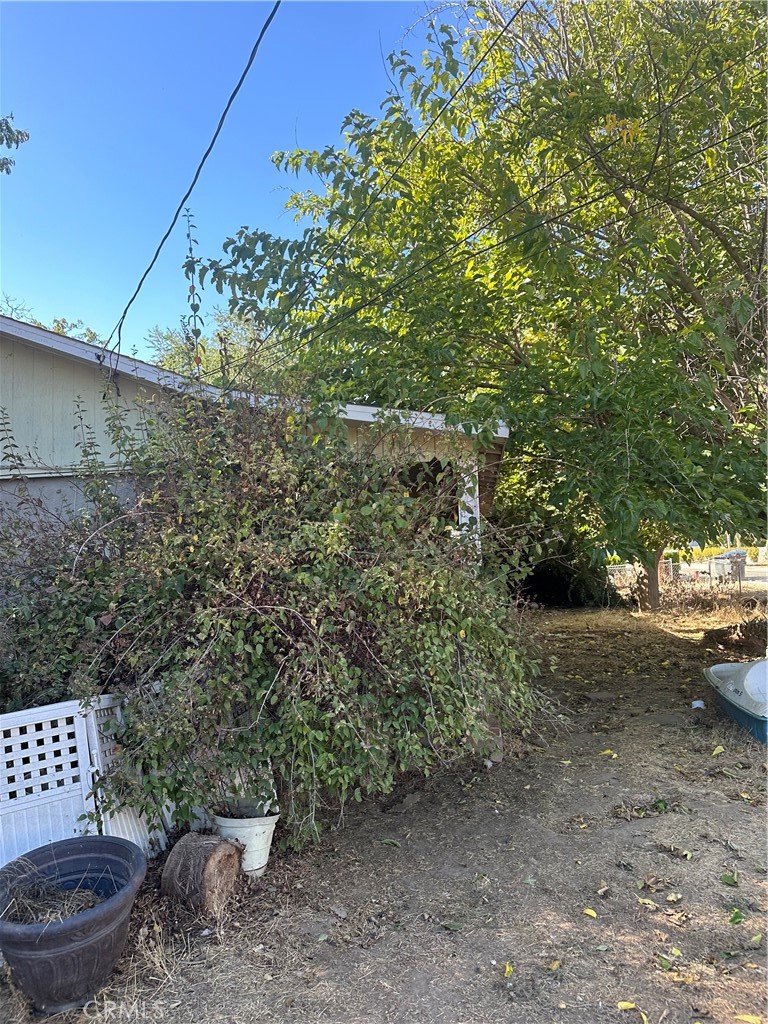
(272, 597)
(568, 573)
(552, 566)
(703, 554)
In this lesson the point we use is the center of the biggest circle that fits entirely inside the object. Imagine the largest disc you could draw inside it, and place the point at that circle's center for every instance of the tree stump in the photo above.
(201, 872)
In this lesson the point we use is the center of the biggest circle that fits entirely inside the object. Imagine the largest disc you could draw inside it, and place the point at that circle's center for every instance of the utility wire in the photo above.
(119, 325)
(525, 199)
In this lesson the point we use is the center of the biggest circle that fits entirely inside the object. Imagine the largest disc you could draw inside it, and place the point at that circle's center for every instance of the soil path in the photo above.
(588, 870)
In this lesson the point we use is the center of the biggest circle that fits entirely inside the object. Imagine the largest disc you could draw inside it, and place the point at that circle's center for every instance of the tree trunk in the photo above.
(649, 594)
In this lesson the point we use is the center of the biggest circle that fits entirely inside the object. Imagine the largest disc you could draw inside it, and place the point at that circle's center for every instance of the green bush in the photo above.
(271, 598)
(567, 572)
(702, 554)
(551, 567)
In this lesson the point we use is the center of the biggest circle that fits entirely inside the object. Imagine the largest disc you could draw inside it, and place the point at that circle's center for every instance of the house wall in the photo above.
(450, 446)
(40, 391)
(426, 444)
(61, 495)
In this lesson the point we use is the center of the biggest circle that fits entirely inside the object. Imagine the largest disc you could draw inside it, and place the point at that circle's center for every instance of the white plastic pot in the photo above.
(256, 836)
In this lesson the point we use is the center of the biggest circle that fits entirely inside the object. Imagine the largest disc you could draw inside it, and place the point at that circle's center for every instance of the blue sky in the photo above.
(121, 100)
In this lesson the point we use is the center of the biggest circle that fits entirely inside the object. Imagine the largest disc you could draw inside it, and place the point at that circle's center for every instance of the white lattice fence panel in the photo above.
(126, 824)
(44, 777)
(50, 757)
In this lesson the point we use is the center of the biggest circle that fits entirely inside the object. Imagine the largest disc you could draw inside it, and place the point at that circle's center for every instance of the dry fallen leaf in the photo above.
(749, 1018)
(674, 897)
(624, 1005)
(553, 966)
(718, 750)
(648, 903)
(589, 912)
(677, 917)
(608, 753)
(675, 851)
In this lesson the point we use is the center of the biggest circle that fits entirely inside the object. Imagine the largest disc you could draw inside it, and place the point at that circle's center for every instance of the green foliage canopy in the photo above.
(230, 351)
(577, 246)
(10, 138)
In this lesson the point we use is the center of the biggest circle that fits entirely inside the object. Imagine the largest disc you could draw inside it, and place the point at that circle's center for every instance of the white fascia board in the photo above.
(423, 420)
(55, 472)
(74, 348)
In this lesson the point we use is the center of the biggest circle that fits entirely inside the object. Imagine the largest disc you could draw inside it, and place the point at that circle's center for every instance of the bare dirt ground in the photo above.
(620, 860)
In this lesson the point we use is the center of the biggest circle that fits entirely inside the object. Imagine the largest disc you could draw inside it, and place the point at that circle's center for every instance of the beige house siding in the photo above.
(449, 447)
(45, 378)
(427, 444)
(40, 392)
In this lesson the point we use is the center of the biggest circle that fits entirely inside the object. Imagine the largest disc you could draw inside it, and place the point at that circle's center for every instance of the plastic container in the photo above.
(255, 834)
(61, 965)
(742, 690)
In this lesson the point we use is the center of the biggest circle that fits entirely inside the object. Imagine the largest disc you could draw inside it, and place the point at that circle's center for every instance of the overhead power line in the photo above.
(119, 325)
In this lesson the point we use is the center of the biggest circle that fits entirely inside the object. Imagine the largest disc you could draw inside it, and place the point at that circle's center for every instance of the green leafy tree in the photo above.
(577, 246)
(71, 329)
(10, 138)
(231, 352)
(19, 310)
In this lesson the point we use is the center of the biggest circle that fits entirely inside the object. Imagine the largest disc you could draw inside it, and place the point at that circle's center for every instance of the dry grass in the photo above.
(33, 898)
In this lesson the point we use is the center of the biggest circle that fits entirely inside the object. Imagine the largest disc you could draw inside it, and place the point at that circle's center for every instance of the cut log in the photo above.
(201, 872)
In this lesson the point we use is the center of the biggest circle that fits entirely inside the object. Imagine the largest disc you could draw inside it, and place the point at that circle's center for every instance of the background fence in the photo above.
(722, 567)
(628, 573)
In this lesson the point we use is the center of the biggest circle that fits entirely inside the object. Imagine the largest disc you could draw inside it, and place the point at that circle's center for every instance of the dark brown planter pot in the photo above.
(60, 966)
